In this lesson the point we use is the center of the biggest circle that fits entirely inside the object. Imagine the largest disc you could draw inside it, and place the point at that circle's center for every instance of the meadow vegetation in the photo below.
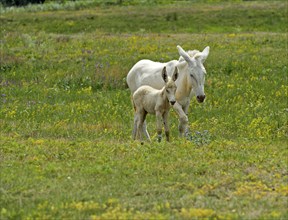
(66, 116)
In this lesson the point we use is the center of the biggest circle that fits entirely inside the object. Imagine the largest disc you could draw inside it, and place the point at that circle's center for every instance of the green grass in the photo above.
(253, 16)
(66, 115)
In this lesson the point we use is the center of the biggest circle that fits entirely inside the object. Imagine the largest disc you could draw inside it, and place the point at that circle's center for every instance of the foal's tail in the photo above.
(133, 103)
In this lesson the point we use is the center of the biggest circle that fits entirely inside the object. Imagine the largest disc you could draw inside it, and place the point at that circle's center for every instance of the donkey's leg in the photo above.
(183, 119)
(159, 125)
(166, 126)
(185, 109)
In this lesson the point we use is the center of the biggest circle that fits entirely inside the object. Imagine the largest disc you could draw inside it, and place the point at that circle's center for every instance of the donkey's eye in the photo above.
(167, 91)
(193, 77)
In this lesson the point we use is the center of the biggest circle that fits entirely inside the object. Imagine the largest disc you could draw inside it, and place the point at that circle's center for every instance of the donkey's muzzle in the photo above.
(200, 98)
(172, 102)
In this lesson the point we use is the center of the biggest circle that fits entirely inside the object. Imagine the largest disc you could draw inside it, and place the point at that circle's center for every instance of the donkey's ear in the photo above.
(204, 54)
(164, 75)
(185, 55)
(175, 74)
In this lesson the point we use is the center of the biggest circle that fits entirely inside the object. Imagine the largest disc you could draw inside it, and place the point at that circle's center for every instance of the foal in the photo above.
(153, 101)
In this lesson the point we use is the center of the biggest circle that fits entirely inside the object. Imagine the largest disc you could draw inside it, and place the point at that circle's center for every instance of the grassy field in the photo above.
(66, 118)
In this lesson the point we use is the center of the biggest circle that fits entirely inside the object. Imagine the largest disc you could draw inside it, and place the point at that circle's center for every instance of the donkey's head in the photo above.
(170, 86)
(196, 70)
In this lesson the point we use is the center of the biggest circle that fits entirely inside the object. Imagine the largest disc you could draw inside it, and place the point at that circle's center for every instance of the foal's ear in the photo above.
(164, 75)
(175, 74)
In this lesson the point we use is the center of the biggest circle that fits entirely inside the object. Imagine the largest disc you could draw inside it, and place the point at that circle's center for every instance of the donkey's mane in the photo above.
(191, 53)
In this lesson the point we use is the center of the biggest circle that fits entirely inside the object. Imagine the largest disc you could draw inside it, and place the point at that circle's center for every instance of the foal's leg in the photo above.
(159, 125)
(141, 118)
(145, 131)
(166, 126)
(144, 126)
(135, 130)
(139, 130)
(183, 119)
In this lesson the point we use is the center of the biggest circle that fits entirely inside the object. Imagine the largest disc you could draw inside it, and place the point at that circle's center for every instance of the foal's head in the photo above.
(170, 86)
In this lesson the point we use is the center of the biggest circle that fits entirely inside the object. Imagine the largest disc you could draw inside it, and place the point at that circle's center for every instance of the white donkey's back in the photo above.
(147, 72)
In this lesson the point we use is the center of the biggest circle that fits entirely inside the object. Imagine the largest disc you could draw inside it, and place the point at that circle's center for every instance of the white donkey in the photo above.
(190, 80)
(153, 101)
